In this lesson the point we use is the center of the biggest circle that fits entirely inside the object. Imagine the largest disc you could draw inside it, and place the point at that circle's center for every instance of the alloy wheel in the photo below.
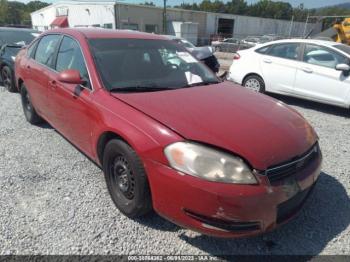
(253, 84)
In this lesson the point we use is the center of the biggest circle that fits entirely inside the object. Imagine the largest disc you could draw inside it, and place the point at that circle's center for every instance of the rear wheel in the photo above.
(254, 83)
(28, 109)
(126, 179)
(7, 79)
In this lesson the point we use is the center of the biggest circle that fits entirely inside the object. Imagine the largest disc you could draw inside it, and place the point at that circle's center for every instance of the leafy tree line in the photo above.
(18, 13)
(263, 8)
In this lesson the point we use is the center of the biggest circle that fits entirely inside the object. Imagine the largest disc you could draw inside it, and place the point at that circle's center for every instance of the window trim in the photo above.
(324, 47)
(81, 50)
(92, 89)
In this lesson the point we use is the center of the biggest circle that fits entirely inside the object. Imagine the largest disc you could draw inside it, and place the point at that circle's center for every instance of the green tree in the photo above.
(237, 7)
(18, 13)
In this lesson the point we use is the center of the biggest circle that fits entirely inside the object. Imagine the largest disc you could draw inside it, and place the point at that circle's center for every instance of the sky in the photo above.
(307, 3)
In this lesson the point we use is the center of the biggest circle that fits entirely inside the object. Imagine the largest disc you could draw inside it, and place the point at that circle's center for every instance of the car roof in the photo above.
(106, 33)
(172, 37)
(299, 40)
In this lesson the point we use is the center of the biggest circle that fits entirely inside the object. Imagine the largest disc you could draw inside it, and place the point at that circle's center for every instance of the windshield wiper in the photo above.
(202, 84)
(139, 89)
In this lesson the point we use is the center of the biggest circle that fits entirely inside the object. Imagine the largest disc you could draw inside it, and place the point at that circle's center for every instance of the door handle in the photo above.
(267, 61)
(307, 70)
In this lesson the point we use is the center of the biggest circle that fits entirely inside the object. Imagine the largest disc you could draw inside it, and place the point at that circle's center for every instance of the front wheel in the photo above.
(126, 179)
(254, 83)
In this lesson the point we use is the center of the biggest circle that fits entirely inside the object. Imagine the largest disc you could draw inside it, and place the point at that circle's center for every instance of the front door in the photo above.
(318, 79)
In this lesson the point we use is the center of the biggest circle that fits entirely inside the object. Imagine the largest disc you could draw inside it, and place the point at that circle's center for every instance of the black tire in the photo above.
(254, 83)
(126, 179)
(28, 109)
(8, 79)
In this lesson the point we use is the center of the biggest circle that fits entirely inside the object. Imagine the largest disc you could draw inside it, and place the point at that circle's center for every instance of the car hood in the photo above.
(262, 130)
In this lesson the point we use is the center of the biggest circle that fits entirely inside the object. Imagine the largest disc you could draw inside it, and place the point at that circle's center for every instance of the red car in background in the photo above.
(168, 134)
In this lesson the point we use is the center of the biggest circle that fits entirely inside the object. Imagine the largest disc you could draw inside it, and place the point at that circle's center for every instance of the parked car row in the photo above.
(169, 134)
(11, 41)
(234, 44)
(309, 69)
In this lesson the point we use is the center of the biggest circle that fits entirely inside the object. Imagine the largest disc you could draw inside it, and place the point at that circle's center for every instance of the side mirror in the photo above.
(70, 76)
(343, 67)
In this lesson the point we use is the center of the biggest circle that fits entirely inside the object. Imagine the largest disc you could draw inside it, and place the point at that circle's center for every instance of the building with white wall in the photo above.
(112, 14)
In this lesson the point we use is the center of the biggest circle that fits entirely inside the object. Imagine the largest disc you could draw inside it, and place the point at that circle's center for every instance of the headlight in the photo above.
(204, 162)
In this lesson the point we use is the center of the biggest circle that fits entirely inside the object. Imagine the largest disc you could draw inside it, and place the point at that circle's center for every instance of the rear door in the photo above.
(317, 78)
(279, 65)
(73, 113)
(37, 69)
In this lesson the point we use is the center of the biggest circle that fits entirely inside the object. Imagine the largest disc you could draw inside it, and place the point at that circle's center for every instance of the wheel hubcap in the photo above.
(123, 177)
(253, 84)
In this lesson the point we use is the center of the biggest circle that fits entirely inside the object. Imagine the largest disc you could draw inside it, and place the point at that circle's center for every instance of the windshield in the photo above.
(124, 63)
(17, 37)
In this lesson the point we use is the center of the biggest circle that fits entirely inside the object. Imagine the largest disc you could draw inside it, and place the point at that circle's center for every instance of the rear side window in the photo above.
(321, 56)
(263, 50)
(287, 51)
(31, 49)
(45, 52)
(70, 57)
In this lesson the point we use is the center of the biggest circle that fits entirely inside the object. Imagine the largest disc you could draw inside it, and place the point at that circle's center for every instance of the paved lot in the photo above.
(53, 200)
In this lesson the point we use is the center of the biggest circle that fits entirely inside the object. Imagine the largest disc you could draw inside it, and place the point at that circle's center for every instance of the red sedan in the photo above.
(168, 134)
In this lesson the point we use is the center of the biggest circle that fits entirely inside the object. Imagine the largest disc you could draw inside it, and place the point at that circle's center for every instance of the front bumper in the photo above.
(228, 210)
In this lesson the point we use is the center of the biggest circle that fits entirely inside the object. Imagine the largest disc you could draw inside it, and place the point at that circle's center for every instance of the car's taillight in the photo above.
(236, 56)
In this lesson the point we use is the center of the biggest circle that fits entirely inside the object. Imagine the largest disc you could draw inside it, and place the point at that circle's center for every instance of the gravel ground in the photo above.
(54, 200)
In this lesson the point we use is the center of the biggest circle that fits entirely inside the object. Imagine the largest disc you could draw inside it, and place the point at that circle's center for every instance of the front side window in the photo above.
(287, 51)
(70, 57)
(124, 63)
(321, 56)
(46, 49)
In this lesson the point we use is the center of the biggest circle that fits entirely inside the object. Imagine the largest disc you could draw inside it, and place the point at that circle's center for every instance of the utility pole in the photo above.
(164, 18)
(305, 27)
(291, 26)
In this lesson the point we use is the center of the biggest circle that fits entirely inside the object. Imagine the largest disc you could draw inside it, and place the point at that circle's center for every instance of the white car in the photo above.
(310, 69)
